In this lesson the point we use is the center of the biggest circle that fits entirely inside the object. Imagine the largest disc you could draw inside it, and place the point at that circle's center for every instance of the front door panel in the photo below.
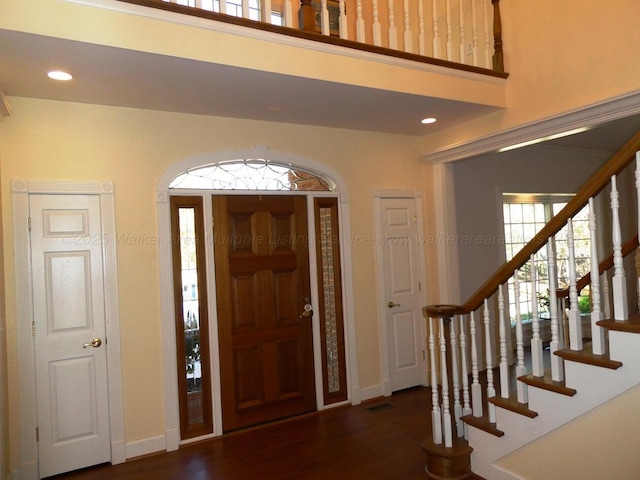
(262, 286)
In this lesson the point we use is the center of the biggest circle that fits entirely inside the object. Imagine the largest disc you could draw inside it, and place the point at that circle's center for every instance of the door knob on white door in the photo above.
(95, 343)
(391, 304)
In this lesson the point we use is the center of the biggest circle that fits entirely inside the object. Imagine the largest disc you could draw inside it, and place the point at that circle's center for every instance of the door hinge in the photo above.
(423, 355)
(33, 329)
(419, 286)
(29, 223)
(37, 434)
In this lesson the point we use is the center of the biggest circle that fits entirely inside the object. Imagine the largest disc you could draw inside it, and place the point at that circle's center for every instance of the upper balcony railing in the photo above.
(461, 34)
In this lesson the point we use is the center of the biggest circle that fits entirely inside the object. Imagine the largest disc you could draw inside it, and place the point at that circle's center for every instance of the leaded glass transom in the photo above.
(251, 175)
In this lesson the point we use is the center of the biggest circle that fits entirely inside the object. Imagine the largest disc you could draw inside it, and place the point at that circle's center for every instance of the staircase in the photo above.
(499, 401)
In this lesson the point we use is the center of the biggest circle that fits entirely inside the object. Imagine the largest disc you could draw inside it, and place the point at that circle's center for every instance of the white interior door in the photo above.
(401, 264)
(69, 330)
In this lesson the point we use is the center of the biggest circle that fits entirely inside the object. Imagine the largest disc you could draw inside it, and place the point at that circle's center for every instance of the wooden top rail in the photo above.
(604, 265)
(591, 188)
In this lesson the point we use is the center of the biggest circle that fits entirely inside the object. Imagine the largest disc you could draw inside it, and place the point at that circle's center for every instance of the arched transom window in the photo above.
(255, 174)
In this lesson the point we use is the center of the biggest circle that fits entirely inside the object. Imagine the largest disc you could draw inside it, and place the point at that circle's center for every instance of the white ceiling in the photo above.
(114, 76)
(117, 77)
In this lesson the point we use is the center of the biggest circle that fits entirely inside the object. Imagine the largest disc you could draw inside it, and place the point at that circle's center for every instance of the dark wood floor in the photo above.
(341, 443)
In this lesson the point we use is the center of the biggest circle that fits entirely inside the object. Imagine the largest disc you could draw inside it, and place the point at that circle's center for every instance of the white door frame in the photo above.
(20, 191)
(172, 414)
(378, 194)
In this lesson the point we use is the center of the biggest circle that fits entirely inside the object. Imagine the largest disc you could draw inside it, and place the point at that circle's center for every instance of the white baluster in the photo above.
(606, 294)
(288, 14)
(557, 370)
(476, 388)
(455, 378)
(265, 13)
(245, 9)
(466, 405)
(377, 32)
(474, 21)
(449, 32)
(618, 282)
(537, 360)
(360, 35)
(488, 58)
(408, 35)
(504, 362)
(491, 391)
(436, 30)
(575, 321)
(223, 6)
(436, 418)
(342, 20)
(444, 380)
(422, 35)
(324, 15)
(597, 332)
(463, 46)
(393, 31)
(520, 368)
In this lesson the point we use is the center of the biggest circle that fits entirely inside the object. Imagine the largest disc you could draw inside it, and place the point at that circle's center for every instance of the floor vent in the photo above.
(377, 408)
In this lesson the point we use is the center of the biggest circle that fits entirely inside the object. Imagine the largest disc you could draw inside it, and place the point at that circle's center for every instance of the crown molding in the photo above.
(588, 116)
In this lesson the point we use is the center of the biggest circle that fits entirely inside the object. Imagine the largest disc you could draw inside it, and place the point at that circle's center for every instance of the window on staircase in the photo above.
(524, 215)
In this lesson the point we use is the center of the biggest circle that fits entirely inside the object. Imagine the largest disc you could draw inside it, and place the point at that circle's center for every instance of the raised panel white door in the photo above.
(69, 330)
(400, 259)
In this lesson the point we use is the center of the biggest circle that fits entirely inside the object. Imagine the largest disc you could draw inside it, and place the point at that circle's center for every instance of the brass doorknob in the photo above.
(307, 312)
(95, 343)
(391, 304)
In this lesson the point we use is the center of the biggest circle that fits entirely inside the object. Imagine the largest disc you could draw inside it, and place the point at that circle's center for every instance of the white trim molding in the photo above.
(585, 117)
(172, 415)
(5, 107)
(416, 195)
(20, 191)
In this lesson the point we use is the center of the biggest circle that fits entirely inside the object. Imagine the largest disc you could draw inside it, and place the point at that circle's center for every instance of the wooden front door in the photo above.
(262, 286)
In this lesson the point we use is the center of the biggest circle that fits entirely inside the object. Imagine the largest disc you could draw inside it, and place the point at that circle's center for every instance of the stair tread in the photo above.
(630, 326)
(587, 356)
(483, 424)
(547, 383)
(513, 405)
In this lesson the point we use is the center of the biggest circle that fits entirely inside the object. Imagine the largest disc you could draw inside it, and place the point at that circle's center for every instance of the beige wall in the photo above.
(597, 445)
(65, 141)
(560, 57)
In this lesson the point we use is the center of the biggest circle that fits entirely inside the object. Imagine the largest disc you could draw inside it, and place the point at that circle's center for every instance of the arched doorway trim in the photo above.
(172, 425)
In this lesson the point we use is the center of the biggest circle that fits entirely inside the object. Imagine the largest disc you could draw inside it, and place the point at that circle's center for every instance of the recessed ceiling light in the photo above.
(428, 120)
(59, 75)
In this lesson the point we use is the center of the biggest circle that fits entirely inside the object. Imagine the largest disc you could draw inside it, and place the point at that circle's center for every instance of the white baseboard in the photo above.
(375, 391)
(146, 446)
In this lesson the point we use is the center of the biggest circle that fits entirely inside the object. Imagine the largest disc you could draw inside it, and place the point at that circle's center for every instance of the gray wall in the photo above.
(479, 184)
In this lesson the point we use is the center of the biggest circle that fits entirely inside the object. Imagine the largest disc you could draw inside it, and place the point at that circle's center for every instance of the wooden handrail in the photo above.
(603, 266)
(307, 34)
(591, 188)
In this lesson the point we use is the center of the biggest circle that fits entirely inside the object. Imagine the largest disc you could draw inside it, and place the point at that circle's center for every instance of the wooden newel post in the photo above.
(498, 57)
(307, 16)
(450, 459)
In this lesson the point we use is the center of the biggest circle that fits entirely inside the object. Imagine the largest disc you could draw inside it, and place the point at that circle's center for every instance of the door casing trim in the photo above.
(20, 191)
(416, 195)
(172, 418)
